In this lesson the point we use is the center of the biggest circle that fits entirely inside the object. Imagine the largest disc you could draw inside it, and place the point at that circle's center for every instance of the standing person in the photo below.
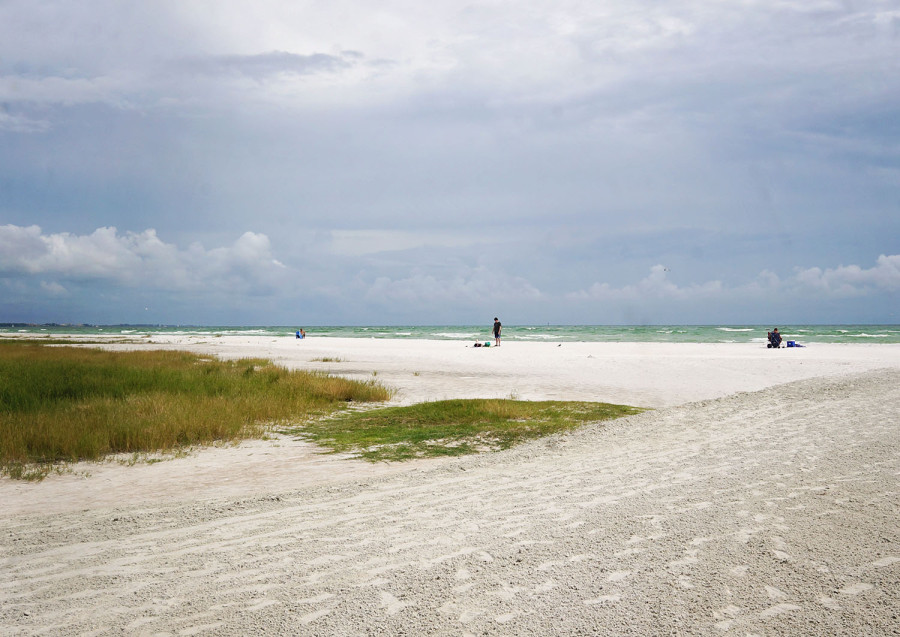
(497, 327)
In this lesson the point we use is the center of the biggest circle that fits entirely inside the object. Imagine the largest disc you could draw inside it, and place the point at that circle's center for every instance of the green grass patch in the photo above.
(64, 404)
(451, 427)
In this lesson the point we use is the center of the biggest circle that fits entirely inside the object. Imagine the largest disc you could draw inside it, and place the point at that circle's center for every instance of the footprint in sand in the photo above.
(731, 612)
(685, 582)
(391, 604)
(699, 541)
(886, 561)
(774, 593)
(263, 603)
(829, 603)
(728, 611)
(781, 556)
(313, 616)
(778, 609)
(546, 566)
(468, 616)
(856, 589)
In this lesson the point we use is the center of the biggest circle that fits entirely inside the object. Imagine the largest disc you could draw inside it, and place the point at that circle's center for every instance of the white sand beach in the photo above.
(760, 496)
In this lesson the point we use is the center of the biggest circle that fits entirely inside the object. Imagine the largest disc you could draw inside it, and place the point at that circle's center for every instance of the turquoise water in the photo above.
(876, 334)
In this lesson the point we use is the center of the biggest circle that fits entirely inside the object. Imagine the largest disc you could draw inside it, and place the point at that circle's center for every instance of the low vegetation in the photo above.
(451, 427)
(64, 404)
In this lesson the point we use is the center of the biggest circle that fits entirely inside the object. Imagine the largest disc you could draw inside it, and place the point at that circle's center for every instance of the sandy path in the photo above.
(756, 513)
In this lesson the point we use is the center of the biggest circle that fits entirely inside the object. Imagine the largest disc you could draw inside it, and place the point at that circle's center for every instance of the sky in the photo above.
(342, 162)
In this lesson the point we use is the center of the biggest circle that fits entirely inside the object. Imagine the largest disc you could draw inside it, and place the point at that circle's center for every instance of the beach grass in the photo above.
(65, 404)
(451, 427)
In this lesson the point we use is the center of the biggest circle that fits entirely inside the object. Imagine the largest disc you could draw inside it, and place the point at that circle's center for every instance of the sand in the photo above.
(760, 496)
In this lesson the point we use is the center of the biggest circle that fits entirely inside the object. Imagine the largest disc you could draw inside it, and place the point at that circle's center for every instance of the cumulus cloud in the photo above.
(137, 259)
(655, 286)
(852, 280)
(840, 282)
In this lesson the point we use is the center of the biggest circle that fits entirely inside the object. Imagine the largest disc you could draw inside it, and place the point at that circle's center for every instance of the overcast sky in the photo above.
(545, 161)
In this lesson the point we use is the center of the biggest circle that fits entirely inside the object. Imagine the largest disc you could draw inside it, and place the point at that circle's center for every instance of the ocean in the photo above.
(804, 334)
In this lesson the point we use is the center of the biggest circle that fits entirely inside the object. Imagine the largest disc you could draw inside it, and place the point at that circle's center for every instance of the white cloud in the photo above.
(21, 123)
(840, 282)
(655, 286)
(52, 288)
(138, 259)
(852, 280)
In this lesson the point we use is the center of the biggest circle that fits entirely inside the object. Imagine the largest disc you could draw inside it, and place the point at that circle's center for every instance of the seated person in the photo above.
(774, 338)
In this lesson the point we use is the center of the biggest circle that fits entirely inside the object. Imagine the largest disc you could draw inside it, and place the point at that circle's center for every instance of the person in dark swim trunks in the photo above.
(497, 327)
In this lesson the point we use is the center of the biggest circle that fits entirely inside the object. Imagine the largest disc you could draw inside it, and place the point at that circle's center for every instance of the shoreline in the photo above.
(545, 333)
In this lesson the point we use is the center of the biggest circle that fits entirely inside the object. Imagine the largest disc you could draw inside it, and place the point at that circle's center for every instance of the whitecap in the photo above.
(460, 335)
